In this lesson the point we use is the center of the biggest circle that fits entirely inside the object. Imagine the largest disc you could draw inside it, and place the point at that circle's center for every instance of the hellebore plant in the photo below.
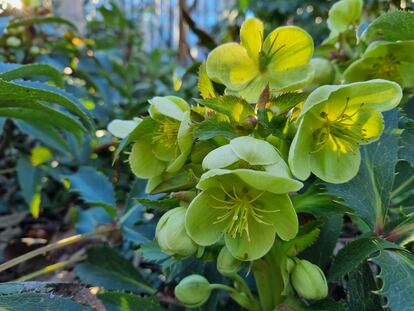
(281, 60)
(232, 161)
(243, 196)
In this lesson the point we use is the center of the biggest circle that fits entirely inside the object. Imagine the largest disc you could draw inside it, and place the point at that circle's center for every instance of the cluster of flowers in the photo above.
(238, 189)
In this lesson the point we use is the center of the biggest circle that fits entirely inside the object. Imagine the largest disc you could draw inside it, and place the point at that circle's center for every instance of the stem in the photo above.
(7, 170)
(56, 245)
(224, 287)
(50, 268)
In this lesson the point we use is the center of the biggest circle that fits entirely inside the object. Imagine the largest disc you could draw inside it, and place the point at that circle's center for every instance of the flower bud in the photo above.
(308, 280)
(34, 50)
(226, 263)
(193, 290)
(13, 42)
(324, 71)
(172, 236)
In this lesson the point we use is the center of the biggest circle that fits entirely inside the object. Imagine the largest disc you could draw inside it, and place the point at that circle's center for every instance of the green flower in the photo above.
(166, 138)
(387, 60)
(334, 122)
(343, 14)
(171, 235)
(280, 61)
(243, 197)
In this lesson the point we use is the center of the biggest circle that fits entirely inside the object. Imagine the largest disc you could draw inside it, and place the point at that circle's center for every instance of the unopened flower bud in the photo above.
(172, 236)
(308, 280)
(13, 42)
(226, 263)
(193, 291)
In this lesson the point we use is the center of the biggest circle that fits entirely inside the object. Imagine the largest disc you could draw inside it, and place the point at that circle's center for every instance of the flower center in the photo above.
(166, 133)
(343, 130)
(265, 57)
(387, 67)
(239, 208)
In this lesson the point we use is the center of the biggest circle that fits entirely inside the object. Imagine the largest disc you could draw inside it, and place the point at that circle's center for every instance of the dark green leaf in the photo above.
(10, 72)
(397, 274)
(368, 193)
(115, 301)
(354, 253)
(360, 290)
(106, 268)
(407, 146)
(161, 204)
(93, 186)
(211, 128)
(286, 101)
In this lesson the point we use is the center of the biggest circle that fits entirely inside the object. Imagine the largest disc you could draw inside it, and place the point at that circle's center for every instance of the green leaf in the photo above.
(38, 302)
(106, 268)
(30, 181)
(94, 187)
(368, 193)
(161, 205)
(36, 91)
(354, 253)
(10, 72)
(32, 111)
(286, 101)
(40, 20)
(360, 290)
(407, 146)
(397, 274)
(321, 252)
(205, 86)
(236, 108)
(46, 133)
(211, 128)
(115, 301)
(391, 26)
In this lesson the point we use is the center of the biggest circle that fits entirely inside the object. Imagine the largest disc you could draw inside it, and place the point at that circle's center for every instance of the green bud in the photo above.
(34, 50)
(193, 290)
(308, 280)
(226, 263)
(172, 236)
(13, 42)
(324, 71)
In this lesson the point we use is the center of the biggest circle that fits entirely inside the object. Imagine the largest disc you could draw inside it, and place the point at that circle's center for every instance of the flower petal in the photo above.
(292, 47)
(122, 128)
(166, 106)
(285, 220)
(291, 79)
(220, 157)
(231, 65)
(252, 91)
(344, 13)
(372, 126)
(334, 166)
(251, 37)
(255, 151)
(262, 237)
(200, 218)
(143, 162)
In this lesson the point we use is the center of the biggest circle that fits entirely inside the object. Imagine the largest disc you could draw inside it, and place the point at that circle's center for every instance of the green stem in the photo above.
(224, 287)
(54, 246)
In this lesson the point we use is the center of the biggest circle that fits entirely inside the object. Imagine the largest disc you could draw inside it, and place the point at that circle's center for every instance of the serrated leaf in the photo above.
(32, 111)
(205, 86)
(368, 193)
(151, 252)
(236, 108)
(211, 128)
(93, 186)
(115, 301)
(391, 26)
(37, 91)
(407, 146)
(10, 72)
(181, 180)
(397, 274)
(354, 253)
(286, 101)
(106, 268)
(360, 290)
